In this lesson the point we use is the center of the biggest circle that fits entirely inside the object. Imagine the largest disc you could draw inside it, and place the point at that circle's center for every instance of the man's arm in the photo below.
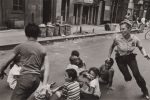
(5, 62)
(46, 70)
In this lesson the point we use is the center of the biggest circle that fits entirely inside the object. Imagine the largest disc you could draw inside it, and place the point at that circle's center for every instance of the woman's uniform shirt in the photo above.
(126, 46)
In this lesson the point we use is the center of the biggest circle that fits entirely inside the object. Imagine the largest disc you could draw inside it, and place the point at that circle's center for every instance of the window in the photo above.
(18, 5)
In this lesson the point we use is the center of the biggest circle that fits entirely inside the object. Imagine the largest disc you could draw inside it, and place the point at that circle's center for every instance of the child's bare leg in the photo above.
(110, 80)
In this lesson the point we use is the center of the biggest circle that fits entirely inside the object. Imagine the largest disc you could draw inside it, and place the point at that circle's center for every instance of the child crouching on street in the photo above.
(107, 73)
(80, 64)
(93, 91)
(73, 64)
(14, 73)
(70, 90)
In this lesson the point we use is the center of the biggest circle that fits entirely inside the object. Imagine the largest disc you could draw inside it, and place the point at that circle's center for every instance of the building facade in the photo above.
(138, 8)
(17, 13)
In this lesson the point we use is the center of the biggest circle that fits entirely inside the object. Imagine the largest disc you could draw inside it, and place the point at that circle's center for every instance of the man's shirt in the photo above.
(31, 57)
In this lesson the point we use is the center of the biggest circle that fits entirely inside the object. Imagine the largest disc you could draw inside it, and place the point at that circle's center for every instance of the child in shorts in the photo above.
(107, 73)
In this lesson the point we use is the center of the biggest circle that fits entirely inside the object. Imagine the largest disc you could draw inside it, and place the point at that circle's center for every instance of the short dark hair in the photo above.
(75, 53)
(32, 30)
(109, 61)
(73, 59)
(95, 70)
(72, 73)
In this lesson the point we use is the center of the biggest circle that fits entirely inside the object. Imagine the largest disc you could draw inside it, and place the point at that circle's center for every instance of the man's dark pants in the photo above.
(26, 85)
(130, 60)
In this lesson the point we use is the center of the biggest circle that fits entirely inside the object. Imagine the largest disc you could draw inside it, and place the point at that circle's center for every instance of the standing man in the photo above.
(126, 43)
(32, 57)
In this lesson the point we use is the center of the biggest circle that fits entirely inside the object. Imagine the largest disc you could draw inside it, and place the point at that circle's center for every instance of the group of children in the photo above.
(80, 83)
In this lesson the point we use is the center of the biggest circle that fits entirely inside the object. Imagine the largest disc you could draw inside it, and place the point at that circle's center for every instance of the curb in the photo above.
(49, 40)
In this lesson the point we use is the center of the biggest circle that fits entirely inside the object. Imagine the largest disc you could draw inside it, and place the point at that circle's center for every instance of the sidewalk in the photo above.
(10, 38)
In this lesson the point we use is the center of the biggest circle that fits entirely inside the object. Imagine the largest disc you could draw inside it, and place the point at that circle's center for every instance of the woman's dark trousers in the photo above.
(130, 60)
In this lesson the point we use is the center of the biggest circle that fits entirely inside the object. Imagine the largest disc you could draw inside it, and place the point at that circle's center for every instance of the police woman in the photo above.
(126, 43)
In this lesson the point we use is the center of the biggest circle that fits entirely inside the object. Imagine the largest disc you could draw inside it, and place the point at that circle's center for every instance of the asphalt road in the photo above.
(93, 51)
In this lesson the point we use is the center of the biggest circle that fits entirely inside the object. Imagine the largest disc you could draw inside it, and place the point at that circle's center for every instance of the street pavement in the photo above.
(94, 51)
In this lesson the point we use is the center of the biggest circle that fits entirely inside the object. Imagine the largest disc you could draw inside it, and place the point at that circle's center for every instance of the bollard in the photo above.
(93, 30)
(80, 29)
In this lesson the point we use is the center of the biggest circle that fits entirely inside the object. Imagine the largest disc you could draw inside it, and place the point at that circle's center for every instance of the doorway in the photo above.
(77, 13)
(95, 14)
(114, 15)
(85, 15)
(47, 11)
(65, 10)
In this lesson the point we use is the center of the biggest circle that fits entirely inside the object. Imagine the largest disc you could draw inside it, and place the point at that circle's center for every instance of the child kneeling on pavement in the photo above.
(76, 60)
(14, 73)
(107, 73)
(81, 64)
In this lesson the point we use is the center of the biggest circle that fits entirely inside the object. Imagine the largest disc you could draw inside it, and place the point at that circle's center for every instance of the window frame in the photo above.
(20, 7)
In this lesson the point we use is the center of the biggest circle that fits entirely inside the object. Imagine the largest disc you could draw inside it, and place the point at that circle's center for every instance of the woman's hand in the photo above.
(147, 57)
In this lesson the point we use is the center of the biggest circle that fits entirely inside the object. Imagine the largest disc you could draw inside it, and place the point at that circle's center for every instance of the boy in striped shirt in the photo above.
(70, 90)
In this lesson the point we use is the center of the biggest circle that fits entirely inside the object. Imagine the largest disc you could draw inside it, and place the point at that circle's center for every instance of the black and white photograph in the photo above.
(74, 49)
